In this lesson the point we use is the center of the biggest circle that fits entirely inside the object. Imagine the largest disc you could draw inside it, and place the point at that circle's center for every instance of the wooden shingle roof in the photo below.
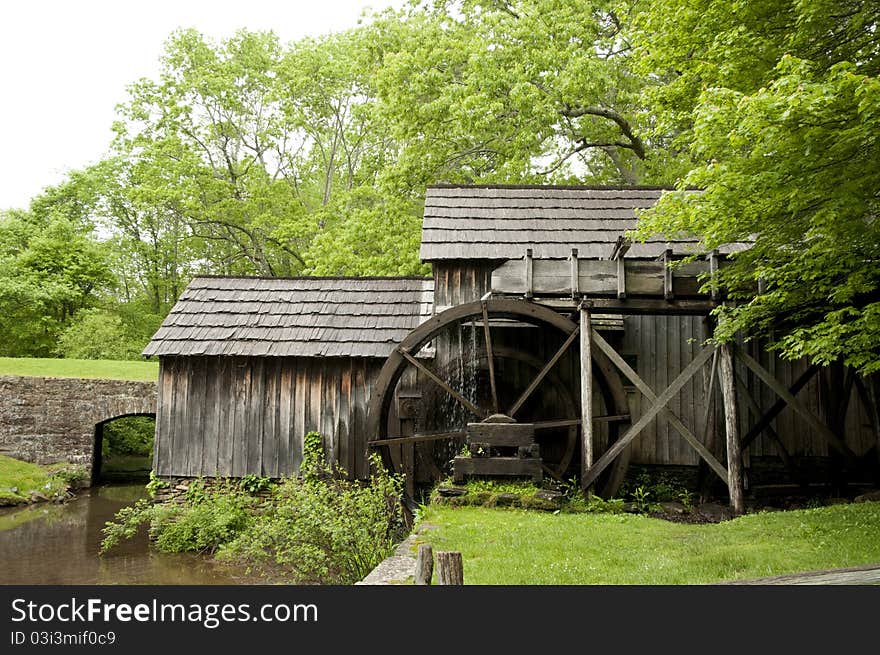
(501, 222)
(305, 317)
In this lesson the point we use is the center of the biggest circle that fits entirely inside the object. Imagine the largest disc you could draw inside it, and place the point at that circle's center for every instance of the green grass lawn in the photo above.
(79, 368)
(18, 479)
(509, 546)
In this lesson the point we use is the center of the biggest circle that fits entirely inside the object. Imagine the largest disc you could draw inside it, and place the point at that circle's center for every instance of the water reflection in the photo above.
(58, 544)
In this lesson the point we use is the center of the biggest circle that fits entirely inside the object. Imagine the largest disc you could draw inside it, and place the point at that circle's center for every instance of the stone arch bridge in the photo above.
(48, 420)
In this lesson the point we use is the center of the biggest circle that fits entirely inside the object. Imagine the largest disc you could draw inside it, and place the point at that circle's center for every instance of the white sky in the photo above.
(65, 65)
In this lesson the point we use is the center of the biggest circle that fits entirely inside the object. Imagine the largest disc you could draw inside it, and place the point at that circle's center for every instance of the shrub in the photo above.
(202, 523)
(321, 527)
(315, 528)
(99, 334)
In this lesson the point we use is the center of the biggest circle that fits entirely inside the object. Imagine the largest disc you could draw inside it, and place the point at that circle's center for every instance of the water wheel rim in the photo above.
(505, 308)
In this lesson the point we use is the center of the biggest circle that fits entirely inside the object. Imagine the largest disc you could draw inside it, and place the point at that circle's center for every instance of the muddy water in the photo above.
(58, 544)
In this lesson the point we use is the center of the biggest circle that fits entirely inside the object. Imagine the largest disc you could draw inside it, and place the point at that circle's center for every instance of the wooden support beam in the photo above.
(731, 424)
(586, 393)
(513, 466)
(713, 270)
(543, 373)
(872, 408)
(658, 406)
(811, 419)
(630, 305)
(575, 274)
(784, 455)
(568, 422)
(418, 438)
(408, 457)
(778, 406)
(621, 246)
(490, 356)
(621, 279)
(667, 274)
(501, 434)
(646, 391)
(476, 411)
(530, 274)
(710, 388)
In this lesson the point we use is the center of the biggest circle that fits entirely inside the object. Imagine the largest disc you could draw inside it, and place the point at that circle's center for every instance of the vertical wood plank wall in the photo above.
(239, 415)
(662, 347)
(235, 415)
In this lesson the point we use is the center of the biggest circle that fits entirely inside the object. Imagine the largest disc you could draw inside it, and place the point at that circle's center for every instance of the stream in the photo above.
(49, 544)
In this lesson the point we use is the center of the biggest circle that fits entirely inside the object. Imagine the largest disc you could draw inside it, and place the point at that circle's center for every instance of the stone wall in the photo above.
(48, 420)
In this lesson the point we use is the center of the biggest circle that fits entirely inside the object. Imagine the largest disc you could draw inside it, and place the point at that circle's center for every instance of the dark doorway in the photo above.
(124, 448)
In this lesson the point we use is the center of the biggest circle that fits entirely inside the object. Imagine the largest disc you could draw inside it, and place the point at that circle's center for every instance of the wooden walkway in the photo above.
(856, 575)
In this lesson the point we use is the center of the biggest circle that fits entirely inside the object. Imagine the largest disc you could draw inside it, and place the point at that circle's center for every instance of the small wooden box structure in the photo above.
(507, 449)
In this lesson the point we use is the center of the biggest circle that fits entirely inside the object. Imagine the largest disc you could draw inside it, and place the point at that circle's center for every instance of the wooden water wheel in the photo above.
(515, 368)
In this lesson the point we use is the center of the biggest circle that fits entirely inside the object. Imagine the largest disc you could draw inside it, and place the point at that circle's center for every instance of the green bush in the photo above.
(321, 527)
(315, 528)
(202, 523)
(99, 334)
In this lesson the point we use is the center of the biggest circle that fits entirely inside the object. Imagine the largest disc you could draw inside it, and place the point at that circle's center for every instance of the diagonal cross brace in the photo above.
(813, 421)
(674, 421)
(765, 420)
(658, 406)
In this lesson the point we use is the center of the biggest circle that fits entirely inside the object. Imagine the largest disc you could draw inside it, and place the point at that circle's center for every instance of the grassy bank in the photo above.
(79, 368)
(508, 546)
(19, 480)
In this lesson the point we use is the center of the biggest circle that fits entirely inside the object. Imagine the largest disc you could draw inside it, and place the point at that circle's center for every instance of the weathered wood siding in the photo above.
(659, 348)
(458, 282)
(662, 346)
(233, 416)
(796, 434)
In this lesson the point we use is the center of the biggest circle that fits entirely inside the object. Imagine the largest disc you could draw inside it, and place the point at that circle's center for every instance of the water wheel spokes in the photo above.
(496, 369)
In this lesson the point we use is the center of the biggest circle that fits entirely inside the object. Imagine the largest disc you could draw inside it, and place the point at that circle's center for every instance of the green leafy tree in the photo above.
(376, 235)
(776, 104)
(530, 91)
(51, 267)
(99, 334)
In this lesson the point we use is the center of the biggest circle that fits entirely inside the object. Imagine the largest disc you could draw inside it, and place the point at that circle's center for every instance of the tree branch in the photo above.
(636, 144)
(583, 145)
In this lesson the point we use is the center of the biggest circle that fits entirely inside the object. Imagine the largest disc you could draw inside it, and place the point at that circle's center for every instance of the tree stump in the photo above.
(424, 565)
(449, 568)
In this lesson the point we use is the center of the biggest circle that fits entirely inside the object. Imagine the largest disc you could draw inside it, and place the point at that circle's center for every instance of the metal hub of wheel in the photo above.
(504, 366)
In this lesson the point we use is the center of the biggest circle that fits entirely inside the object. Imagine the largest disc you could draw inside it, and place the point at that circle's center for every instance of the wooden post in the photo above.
(530, 272)
(667, 273)
(713, 273)
(575, 274)
(731, 424)
(586, 394)
(424, 565)
(450, 570)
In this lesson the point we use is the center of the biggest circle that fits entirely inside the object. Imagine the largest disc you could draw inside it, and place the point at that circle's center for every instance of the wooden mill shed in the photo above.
(473, 234)
(248, 366)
